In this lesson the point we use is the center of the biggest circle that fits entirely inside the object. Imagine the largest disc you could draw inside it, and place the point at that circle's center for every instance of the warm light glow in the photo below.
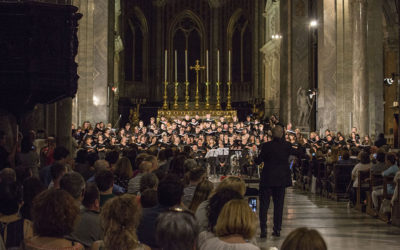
(96, 100)
(313, 23)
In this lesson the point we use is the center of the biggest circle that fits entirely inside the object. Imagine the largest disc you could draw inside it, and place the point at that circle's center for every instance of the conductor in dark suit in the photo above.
(275, 177)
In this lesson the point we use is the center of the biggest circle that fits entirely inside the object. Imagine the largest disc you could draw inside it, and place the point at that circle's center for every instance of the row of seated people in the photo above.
(368, 178)
(169, 210)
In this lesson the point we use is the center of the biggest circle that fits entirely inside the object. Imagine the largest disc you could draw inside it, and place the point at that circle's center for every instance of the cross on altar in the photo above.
(197, 68)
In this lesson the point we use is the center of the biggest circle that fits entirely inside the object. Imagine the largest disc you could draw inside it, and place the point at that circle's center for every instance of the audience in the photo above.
(88, 229)
(304, 239)
(170, 191)
(177, 229)
(54, 214)
(196, 175)
(13, 228)
(105, 182)
(31, 187)
(236, 225)
(120, 217)
(202, 192)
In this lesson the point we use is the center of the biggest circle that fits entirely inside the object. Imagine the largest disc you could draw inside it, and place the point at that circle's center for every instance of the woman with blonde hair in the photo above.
(231, 182)
(119, 218)
(123, 172)
(236, 225)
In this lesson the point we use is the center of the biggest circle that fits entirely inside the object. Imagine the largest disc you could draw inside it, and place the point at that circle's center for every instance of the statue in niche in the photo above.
(304, 106)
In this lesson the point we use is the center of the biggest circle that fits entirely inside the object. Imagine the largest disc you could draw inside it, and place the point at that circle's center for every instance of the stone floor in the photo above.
(341, 227)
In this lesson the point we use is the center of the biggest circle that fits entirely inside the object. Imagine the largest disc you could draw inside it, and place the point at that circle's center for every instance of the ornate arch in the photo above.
(231, 25)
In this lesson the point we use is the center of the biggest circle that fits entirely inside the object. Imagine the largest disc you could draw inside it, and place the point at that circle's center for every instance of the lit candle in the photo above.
(176, 68)
(218, 66)
(229, 66)
(207, 64)
(165, 63)
(186, 66)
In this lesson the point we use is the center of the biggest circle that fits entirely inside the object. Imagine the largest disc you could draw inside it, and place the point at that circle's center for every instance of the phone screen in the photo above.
(253, 204)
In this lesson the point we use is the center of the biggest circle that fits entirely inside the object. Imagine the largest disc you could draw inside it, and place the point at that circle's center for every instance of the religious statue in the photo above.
(304, 105)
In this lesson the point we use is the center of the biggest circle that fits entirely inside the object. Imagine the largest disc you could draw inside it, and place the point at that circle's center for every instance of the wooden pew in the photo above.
(375, 181)
(363, 186)
(341, 179)
(396, 209)
(386, 181)
(321, 176)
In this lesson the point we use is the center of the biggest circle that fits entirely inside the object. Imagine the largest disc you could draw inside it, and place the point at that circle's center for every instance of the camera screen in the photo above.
(253, 204)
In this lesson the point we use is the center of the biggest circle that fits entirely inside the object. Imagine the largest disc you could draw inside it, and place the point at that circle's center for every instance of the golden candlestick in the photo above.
(218, 107)
(207, 96)
(228, 103)
(187, 95)
(197, 68)
(176, 96)
(165, 105)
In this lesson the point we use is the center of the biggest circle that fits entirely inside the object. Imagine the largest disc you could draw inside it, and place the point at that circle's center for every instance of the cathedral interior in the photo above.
(316, 64)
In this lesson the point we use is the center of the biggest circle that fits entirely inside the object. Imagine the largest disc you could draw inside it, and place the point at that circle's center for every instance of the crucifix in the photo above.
(197, 68)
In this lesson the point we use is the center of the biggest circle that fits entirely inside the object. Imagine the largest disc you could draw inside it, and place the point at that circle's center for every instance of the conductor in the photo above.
(275, 177)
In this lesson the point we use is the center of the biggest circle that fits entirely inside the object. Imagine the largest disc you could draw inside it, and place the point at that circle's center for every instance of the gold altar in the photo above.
(180, 113)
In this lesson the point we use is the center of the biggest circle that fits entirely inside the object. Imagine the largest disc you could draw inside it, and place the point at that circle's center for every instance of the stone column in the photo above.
(327, 66)
(375, 67)
(360, 75)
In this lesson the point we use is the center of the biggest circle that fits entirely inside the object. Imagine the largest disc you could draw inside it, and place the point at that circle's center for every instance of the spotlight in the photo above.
(313, 23)
(388, 81)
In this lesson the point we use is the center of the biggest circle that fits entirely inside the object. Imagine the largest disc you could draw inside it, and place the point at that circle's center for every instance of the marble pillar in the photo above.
(285, 102)
(327, 62)
(375, 67)
(271, 60)
(360, 74)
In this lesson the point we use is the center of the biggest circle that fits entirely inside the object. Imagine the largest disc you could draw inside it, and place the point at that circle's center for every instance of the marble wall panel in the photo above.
(327, 62)
(375, 66)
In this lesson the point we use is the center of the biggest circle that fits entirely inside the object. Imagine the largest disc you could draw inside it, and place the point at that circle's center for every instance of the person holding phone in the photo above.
(275, 177)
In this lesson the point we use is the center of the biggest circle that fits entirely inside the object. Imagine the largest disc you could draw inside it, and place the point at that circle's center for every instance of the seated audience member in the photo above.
(134, 183)
(304, 239)
(112, 158)
(365, 164)
(60, 156)
(236, 225)
(81, 160)
(148, 181)
(395, 196)
(381, 140)
(123, 172)
(13, 228)
(120, 218)
(74, 184)
(88, 229)
(28, 157)
(54, 214)
(170, 191)
(57, 172)
(105, 181)
(196, 176)
(8, 175)
(390, 171)
(346, 159)
(31, 187)
(101, 165)
(202, 192)
(380, 164)
(149, 198)
(177, 230)
(231, 182)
